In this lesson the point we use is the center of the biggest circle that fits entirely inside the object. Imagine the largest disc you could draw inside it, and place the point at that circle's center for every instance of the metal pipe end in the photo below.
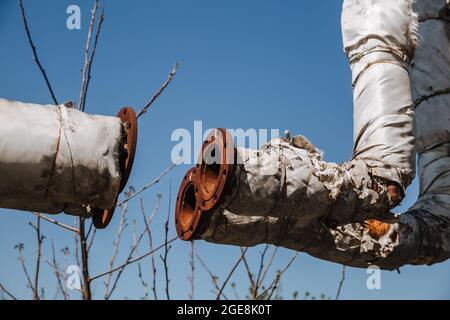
(102, 217)
(187, 212)
(215, 168)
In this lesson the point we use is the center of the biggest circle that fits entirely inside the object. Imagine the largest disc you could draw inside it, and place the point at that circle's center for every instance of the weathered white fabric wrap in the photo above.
(379, 38)
(422, 234)
(54, 158)
(290, 180)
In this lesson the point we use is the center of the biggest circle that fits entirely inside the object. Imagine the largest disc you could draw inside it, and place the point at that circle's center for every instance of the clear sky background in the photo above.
(244, 64)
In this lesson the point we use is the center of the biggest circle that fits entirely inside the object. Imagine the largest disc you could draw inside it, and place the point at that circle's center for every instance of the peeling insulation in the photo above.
(54, 158)
(284, 194)
(289, 178)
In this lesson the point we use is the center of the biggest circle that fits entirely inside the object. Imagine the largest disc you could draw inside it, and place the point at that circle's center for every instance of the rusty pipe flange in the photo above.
(129, 120)
(187, 211)
(102, 217)
(215, 168)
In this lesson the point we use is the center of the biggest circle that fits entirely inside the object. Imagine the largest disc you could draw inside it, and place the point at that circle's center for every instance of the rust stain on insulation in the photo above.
(377, 229)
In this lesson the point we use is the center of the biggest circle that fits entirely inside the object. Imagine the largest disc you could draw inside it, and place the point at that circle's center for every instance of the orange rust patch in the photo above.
(377, 229)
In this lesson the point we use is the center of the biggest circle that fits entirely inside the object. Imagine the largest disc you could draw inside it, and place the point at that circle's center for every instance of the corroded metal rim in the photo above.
(215, 167)
(187, 211)
(102, 217)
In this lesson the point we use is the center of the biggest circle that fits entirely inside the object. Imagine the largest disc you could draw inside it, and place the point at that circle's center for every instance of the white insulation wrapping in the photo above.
(289, 179)
(54, 158)
(292, 207)
(379, 38)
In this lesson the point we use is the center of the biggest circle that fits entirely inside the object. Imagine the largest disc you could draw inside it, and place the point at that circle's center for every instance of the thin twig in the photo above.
(152, 183)
(129, 262)
(116, 243)
(249, 272)
(268, 265)
(58, 273)
(167, 247)
(192, 264)
(25, 270)
(119, 274)
(140, 274)
(261, 267)
(341, 283)
(273, 286)
(33, 48)
(91, 60)
(77, 256)
(87, 295)
(130, 256)
(39, 240)
(214, 278)
(59, 224)
(160, 91)
(231, 273)
(91, 241)
(7, 292)
(86, 55)
(150, 239)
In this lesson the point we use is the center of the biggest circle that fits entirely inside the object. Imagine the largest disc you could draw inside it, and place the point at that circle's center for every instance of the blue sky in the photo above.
(243, 64)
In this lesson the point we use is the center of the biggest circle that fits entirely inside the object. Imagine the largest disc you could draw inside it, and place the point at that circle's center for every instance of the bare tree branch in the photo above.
(261, 267)
(151, 184)
(87, 295)
(130, 256)
(192, 264)
(150, 240)
(122, 226)
(55, 222)
(160, 91)
(7, 292)
(274, 285)
(231, 273)
(129, 262)
(91, 60)
(91, 241)
(39, 239)
(86, 55)
(21, 259)
(167, 247)
(341, 283)
(269, 264)
(214, 278)
(58, 273)
(140, 274)
(33, 48)
(249, 271)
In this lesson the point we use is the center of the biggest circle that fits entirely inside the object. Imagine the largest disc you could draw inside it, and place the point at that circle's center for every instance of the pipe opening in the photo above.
(210, 171)
(188, 207)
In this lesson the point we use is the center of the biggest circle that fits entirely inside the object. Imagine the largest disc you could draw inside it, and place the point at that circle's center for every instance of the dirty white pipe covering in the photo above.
(54, 158)
(385, 32)
(289, 179)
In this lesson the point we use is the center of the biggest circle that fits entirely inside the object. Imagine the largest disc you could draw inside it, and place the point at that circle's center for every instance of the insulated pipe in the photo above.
(288, 180)
(55, 159)
(419, 236)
